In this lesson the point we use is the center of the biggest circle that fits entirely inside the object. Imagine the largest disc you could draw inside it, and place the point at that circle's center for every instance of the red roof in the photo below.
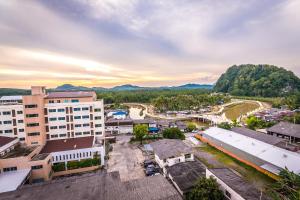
(5, 140)
(70, 94)
(68, 144)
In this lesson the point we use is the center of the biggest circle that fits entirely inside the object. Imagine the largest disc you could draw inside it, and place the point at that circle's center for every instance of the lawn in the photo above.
(249, 173)
(236, 110)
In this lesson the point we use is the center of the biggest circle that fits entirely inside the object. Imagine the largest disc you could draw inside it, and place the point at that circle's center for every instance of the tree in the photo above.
(173, 133)
(206, 189)
(225, 125)
(140, 131)
(191, 127)
(288, 186)
(235, 123)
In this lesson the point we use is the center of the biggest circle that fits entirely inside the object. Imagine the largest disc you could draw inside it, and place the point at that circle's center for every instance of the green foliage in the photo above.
(293, 119)
(83, 163)
(258, 80)
(59, 167)
(173, 133)
(225, 125)
(187, 102)
(287, 187)
(140, 131)
(255, 123)
(191, 127)
(206, 189)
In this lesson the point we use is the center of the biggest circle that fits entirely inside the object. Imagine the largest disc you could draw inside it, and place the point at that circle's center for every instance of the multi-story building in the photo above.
(40, 117)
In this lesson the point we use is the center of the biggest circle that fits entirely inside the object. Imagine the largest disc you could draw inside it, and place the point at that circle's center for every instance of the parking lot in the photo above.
(126, 158)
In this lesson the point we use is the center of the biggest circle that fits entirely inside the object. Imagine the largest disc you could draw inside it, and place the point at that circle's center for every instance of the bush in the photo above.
(83, 163)
(191, 127)
(173, 133)
(57, 167)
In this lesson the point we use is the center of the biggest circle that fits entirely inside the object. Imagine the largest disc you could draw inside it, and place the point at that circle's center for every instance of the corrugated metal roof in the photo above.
(70, 94)
(286, 128)
(277, 156)
(10, 98)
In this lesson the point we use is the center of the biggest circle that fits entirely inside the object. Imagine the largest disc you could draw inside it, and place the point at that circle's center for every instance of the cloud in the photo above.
(110, 42)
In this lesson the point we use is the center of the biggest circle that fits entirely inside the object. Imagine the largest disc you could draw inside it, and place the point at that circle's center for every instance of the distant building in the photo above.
(119, 126)
(11, 100)
(169, 152)
(286, 130)
(233, 186)
(262, 156)
(102, 186)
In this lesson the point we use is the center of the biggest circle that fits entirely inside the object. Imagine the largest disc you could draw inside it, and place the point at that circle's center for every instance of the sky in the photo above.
(106, 43)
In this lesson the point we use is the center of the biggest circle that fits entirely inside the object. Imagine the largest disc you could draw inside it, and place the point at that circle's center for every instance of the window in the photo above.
(98, 125)
(97, 117)
(77, 125)
(19, 112)
(78, 133)
(227, 194)
(21, 130)
(77, 117)
(61, 110)
(53, 127)
(85, 125)
(61, 118)
(86, 132)
(85, 108)
(76, 109)
(22, 139)
(34, 134)
(32, 124)
(51, 101)
(52, 110)
(6, 113)
(8, 131)
(74, 100)
(62, 127)
(7, 122)
(20, 121)
(98, 133)
(34, 143)
(85, 117)
(9, 169)
(66, 101)
(31, 106)
(32, 115)
(53, 119)
(62, 135)
(187, 156)
(36, 167)
(54, 136)
(97, 110)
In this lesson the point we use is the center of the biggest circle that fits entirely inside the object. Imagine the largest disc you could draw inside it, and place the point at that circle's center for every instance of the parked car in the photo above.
(148, 162)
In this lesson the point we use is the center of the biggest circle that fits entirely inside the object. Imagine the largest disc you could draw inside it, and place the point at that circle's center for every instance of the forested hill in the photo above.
(258, 80)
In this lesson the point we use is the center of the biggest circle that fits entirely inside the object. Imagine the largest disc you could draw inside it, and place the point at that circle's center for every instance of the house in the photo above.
(168, 152)
(119, 126)
(264, 157)
(102, 186)
(234, 186)
(20, 163)
(185, 175)
(286, 130)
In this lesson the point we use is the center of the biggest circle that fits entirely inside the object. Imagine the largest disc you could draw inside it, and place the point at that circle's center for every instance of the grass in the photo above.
(251, 174)
(236, 110)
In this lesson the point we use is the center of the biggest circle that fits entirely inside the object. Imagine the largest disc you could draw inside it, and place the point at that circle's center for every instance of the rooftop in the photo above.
(6, 140)
(11, 98)
(269, 153)
(186, 174)
(286, 128)
(98, 186)
(167, 148)
(70, 94)
(239, 185)
(10, 181)
(68, 144)
(19, 151)
(40, 157)
(257, 135)
(115, 122)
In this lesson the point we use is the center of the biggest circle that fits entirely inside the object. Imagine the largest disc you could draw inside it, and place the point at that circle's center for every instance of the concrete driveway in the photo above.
(126, 158)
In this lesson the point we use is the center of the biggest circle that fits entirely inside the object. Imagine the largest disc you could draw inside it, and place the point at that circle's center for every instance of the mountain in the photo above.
(195, 86)
(258, 80)
(68, 87)
(126, 87)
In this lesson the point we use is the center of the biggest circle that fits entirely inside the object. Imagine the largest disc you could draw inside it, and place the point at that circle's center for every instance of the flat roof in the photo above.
(68, 144)
(239, 185)
(286, 128)
(258, 135)
(186, 174)
(40, 156)
(272, 154)
(100, 186)
(5, 140)
(11, 98)
(19, 151)
(70, 94)
(10, 181)
(167, 148)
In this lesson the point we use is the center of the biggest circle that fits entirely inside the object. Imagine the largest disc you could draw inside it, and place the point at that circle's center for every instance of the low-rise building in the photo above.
(286, 130)
(169, 152)
(262, 156)
(234, 186)
(119, 126)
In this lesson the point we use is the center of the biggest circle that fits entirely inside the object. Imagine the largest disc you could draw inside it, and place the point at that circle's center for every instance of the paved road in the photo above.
(126, 158)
